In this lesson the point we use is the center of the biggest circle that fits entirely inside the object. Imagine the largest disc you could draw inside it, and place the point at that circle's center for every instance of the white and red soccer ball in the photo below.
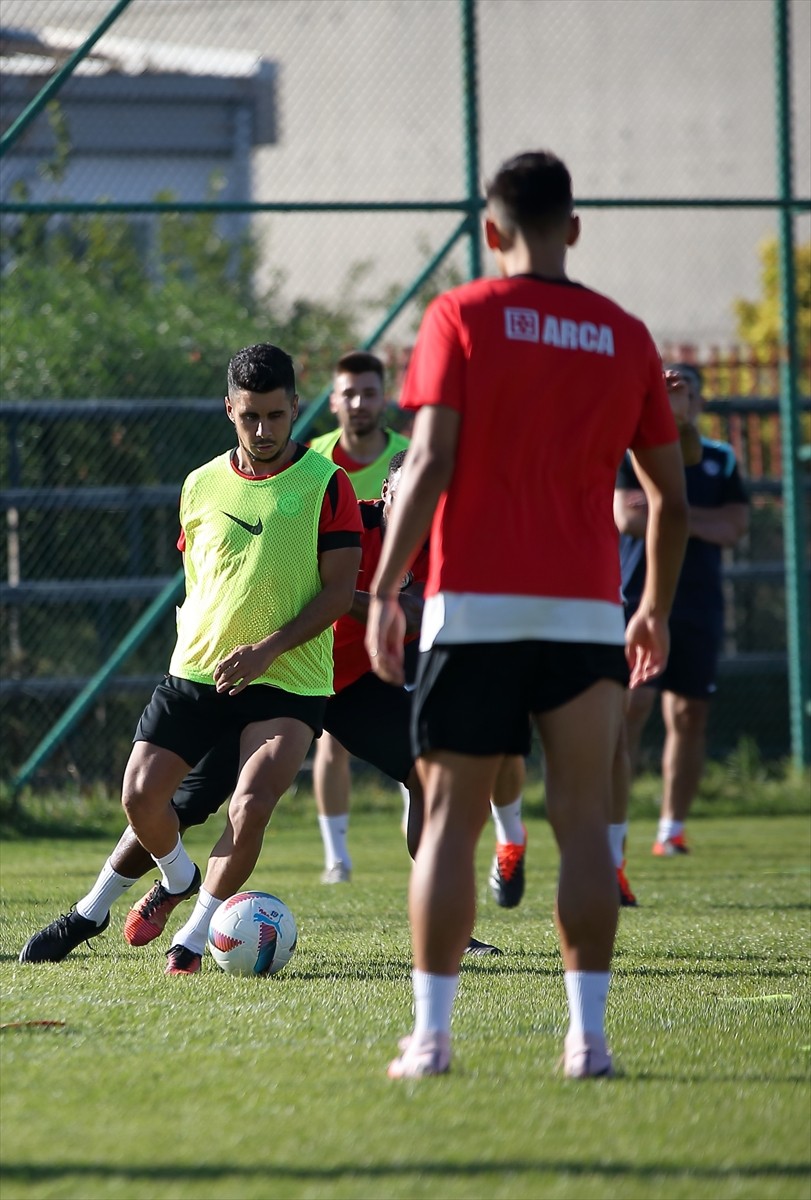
(252, 933)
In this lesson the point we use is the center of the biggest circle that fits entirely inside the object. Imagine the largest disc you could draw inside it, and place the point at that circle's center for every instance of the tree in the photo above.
(759, 320)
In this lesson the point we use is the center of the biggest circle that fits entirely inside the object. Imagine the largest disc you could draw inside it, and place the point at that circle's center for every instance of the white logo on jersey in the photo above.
(711, 467)
(578, 335)
(522, 324)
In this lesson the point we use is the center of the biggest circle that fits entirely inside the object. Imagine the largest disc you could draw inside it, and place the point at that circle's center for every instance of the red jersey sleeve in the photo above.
(339, 524)
(657, 425)
(436, 370)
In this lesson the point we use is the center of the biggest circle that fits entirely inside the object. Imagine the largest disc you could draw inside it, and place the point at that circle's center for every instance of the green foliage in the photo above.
(214, 1087)
(103, 306)
(759, 320)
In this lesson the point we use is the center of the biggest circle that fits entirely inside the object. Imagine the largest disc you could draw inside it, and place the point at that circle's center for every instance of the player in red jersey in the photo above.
(363, 445)
(509, 633)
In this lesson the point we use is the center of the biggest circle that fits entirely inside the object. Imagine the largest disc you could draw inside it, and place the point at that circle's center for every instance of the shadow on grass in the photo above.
(206, 1173)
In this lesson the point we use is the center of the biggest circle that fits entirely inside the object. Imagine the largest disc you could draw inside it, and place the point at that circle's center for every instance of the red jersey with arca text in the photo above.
(553, 382)
(350, 659)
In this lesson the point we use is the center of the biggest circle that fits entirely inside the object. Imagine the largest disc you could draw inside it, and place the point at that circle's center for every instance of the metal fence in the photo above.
(182, 179)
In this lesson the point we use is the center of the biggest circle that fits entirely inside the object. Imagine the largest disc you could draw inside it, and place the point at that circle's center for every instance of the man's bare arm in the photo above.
(647, 637)
(725, 526)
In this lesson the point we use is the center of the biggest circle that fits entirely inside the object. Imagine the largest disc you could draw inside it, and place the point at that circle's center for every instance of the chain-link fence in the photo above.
(307, 171)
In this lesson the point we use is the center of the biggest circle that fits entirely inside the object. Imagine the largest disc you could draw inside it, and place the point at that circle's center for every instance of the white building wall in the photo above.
(641, 97)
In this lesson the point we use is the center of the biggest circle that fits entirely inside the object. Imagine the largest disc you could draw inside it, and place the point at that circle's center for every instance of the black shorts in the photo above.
(190, 718)
(208, 785)
(692, 666)
(477, 698)
(371, 719)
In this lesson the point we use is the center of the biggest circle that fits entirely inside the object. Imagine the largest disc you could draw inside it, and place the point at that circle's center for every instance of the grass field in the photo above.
(213, 1087)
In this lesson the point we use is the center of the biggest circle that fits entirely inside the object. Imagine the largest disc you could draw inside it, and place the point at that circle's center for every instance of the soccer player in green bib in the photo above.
(270, 535)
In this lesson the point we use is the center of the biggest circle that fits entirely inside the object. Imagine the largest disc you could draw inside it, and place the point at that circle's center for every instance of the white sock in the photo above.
(616, 839)
(406, 794)
(194, 933)
(587, 993)
(176, 868)
(109, 887)
(508, 823)
(433, 1001)
(333, 835)
(668, 828)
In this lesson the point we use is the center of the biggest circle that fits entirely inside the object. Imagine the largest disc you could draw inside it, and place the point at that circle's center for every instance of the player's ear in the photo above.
(573, 232)
(492, 234)
(229, 410)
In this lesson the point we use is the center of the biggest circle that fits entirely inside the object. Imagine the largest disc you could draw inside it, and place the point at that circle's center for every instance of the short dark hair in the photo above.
(396, 462)
(355, 362)
(261, 368)
(532, 191)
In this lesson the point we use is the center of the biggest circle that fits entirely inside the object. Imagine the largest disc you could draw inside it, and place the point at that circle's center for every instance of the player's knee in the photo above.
(689, 717)
(136, 794)
(250, 811)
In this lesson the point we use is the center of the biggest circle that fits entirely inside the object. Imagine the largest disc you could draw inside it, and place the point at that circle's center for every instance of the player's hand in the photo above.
(678, 393)
(385, 634)
(241, 667)
(647, 645)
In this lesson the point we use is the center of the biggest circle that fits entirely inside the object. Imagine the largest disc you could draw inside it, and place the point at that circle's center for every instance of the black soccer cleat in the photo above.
(478, 948)
(55, 941)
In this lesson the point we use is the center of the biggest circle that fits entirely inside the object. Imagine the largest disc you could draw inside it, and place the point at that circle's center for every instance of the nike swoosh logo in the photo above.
(255, 529)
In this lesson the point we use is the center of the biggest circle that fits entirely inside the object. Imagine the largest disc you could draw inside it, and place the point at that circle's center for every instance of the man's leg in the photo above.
(618, 814)
(685, 719)
(151, 778)
(507, 870)
(332, 785)
(202, 793)
(442, 899)
(578, 786)
(639, 706)
(271, 756)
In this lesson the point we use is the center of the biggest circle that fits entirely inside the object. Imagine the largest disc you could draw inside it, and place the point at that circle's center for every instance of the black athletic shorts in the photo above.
(692, 666)
(189, 718)
(370, 718)
(477, 698)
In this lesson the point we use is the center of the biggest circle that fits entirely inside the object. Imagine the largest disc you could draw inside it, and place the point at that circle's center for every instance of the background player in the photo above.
(690, 444)
(363, 445)
(718, 517)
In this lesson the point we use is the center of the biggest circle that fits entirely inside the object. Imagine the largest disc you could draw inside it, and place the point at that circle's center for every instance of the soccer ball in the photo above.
(252, 933)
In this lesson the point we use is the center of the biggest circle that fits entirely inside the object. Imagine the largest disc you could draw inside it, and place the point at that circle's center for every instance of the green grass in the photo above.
(214, 1087)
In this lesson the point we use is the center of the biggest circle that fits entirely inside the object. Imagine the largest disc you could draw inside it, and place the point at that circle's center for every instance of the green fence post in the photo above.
(75, 711)
(53, 85)
(797, 638)
(471, 102)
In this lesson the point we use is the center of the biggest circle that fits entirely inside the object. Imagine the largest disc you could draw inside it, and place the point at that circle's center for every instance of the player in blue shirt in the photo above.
(719, 517)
